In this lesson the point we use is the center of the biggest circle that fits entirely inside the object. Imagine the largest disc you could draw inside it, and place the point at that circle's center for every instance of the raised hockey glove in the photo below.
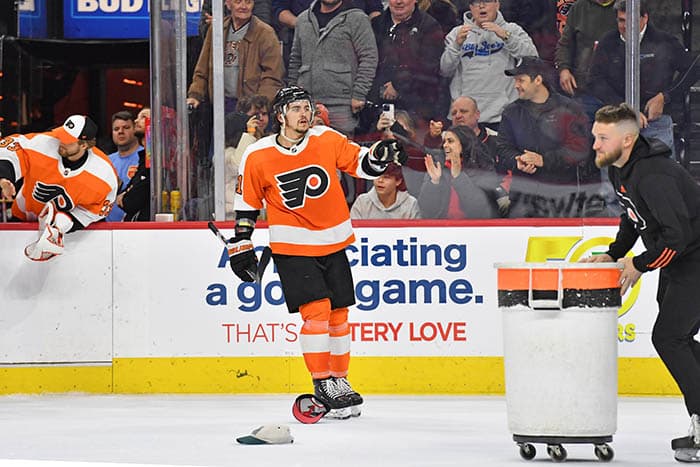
(50, 242)
(383, 152)
(242, 258)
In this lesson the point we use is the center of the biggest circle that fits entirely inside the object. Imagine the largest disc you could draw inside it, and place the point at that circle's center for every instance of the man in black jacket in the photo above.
(662, 59)
(409, 43)
(661, 204)
(544, 140)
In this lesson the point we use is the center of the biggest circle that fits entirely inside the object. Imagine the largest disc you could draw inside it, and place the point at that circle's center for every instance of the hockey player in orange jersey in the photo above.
(295, 172)
(58, 178)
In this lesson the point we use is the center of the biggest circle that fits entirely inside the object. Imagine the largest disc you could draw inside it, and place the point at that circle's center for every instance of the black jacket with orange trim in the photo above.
(661, 203)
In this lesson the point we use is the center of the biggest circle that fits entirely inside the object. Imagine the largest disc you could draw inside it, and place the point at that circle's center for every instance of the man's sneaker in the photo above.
(328, 391)
(344, 385)
(693, 438)
(687, 448)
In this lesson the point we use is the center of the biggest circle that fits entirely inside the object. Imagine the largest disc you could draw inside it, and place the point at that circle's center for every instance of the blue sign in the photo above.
(120, 19)
(32, 19)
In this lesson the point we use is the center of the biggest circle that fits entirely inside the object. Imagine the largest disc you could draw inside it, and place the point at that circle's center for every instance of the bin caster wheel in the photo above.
(527, 451)
(604, 452)
(556, 452)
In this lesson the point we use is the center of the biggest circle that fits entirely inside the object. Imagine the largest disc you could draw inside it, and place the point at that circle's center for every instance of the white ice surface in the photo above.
(402, 431)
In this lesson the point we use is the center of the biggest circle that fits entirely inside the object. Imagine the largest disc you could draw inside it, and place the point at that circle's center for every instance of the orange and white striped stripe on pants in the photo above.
(325, 339)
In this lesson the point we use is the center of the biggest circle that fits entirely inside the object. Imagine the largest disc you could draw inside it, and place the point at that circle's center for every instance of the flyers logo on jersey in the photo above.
(44, 193)
(311, 181)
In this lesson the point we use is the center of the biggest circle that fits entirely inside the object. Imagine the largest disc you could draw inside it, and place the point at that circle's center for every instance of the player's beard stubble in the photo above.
(606, 159)
(69, 155)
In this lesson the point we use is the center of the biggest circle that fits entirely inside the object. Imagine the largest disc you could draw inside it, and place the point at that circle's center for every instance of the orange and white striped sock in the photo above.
(339, 331)
(314, 337)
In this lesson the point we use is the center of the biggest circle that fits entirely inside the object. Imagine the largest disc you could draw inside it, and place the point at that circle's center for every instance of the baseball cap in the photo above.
(268, 434)
(75, 128)
(528, 65)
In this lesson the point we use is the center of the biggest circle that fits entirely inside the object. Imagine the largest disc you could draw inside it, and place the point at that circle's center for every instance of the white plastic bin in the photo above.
(560, 352)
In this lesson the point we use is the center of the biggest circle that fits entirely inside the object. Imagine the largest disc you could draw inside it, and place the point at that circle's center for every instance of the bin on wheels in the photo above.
(560, 354)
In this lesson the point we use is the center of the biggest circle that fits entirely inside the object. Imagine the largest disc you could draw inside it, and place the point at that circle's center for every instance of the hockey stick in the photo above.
(217, 232)
(438, 154)
(264, 261)
(264, 256)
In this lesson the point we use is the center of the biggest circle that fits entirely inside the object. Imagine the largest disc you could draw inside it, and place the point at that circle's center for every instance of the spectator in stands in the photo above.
(462, 187)
(258, 108)
(478, 52)
(661, 58)
(262, 10)
(135, 200)
(586, 22)
(252, 59)
(238, 138)
(539, 20)
(544, 141)
(58, 178)
(126, 158)
(409, 42)
(387, 199)
(334, 57)
(465, 112)
(286, 12)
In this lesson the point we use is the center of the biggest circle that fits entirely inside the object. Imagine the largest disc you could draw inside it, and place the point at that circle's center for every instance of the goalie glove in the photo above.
(50, 242)
(242, 259)
(383, 152)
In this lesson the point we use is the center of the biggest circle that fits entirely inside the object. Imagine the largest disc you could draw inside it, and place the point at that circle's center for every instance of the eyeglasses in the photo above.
(474, 2)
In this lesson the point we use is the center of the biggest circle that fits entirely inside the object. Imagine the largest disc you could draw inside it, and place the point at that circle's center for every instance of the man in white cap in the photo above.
(58, 178)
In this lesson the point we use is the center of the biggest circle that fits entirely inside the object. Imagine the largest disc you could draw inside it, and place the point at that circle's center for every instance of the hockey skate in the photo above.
(355, 397)
(330, 393)
(687, 448)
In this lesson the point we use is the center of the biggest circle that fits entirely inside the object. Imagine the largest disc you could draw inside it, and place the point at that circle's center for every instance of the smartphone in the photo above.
(388, 110)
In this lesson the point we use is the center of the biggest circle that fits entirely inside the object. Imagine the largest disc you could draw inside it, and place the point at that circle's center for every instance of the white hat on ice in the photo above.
(268, 434)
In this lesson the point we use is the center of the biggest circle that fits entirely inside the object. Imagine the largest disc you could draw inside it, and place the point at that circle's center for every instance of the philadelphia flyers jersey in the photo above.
(306, 208)
(87, 192)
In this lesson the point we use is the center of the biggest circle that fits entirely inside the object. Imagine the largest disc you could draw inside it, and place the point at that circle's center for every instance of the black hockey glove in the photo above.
(242, 258)
(383, 152)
